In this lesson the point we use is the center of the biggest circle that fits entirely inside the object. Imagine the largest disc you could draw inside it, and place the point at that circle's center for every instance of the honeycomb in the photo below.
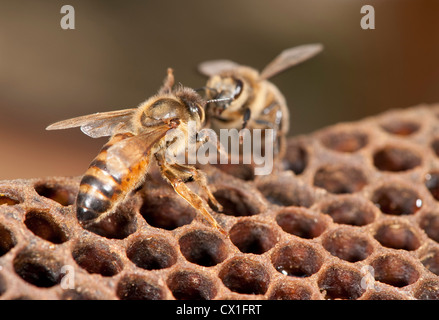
(351, 214)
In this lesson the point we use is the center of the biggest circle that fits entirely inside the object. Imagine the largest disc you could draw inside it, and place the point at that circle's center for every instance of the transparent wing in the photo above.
(98, 124)
(131, 151)
(290, 57)
(212, 67)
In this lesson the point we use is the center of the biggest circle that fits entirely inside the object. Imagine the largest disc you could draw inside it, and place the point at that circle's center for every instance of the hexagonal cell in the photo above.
(7, 240)
(430, 224)
(396, 159)
(96, 257)
(346, 140)
(350, 210)
(427, 290)
(235, 202)
(191, 285)
(137, 287)
(44, 225)
(203, 247)
(397, 235)
(64, 195)
(9, 199)
(430, 260)
(301, 222)
(252, 236)
(400, 127)
(432, 184)
(395, 270)
(348, 244)
(297, 259)
(37, 267)
(151, 252)
(338, 178)
(340, 282)
(296, 157)
(286, 191)
(166, 211)
(291, 290)
(396, 200)
(244, 275)
(116, 225)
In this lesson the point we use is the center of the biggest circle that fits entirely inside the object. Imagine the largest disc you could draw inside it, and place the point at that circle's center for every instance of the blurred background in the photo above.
(118, 54)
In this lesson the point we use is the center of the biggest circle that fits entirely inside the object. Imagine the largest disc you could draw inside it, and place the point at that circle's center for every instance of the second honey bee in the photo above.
(140, 136)
(242, 97)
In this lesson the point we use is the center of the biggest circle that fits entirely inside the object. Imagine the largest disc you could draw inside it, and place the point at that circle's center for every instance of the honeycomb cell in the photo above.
(345, 140)
(432, 184)
(191, 285)
(252, 236)
(286, 191)
(78, 293)
(400, 127)
(44, 225)
(96, 257)
(427, 290)
(340, 282)
(7, 240)
(291, 290)
(136, 287)
(297, 260)
(397, 235)
(338, 179)
(301, 222)
(397, 200)
(39, 268)
(9, 199)
(430, 260)
(64, 195)
(244, 275)
(235, 202)
(296, 157)
(166, 212)
(151, 252)
(203, 247)
(394, 270)
(117, 225)
(430, 224)
(396, 159)
(348, 244)
(350, 211)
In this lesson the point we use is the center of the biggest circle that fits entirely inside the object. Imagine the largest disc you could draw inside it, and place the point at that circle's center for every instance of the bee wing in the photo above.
(126, 153)
(212, 67)
(290, 57)
(98, 124)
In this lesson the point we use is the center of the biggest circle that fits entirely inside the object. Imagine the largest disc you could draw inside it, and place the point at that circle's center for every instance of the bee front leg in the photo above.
(177, 175)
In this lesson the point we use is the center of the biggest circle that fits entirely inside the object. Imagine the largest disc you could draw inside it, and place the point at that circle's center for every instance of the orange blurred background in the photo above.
(118, 54)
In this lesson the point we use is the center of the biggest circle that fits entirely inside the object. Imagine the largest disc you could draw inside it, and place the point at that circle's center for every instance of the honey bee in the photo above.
(242, 97)
(138, 137)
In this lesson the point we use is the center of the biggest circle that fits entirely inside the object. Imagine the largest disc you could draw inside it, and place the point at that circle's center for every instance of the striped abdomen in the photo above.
(101, 190)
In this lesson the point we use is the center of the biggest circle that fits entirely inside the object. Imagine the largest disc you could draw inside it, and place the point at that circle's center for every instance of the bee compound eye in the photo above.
(238, 88)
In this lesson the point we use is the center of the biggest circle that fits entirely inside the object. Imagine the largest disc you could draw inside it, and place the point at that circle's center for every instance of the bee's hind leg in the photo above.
(177, 176)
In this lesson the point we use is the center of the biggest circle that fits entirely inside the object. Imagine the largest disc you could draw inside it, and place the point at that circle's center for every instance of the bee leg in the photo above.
(175, 178)
(247, 115)
(200, 178)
